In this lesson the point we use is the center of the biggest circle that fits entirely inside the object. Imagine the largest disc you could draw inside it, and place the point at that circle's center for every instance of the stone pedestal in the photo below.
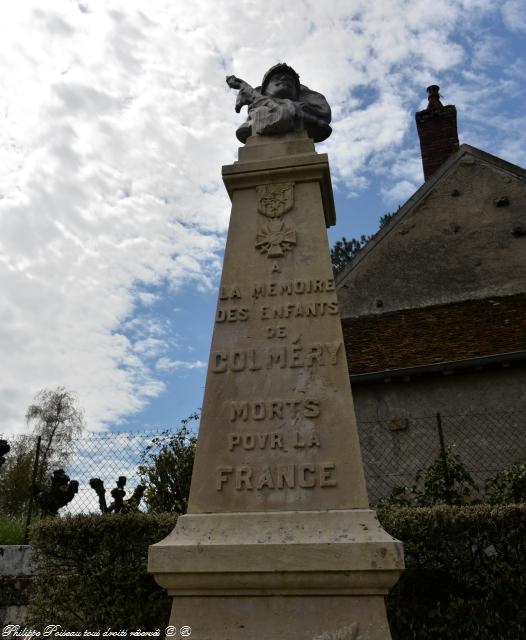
(278, 542)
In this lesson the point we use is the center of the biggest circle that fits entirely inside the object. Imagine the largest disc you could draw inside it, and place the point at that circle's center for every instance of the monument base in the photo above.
(279, 575)
(283, 617)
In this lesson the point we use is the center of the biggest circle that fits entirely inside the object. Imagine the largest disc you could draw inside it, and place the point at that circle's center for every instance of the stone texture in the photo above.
(16, 576)
(277, 575)
(442, 247)
(277, 618)
(286, 389)
(345, 545)
(278, 541)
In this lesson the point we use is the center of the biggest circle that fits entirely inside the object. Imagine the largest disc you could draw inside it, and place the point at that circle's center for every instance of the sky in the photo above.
(116, 122)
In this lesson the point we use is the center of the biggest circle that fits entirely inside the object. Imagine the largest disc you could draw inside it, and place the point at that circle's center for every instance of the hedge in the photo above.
(92, 572)
(465, 576)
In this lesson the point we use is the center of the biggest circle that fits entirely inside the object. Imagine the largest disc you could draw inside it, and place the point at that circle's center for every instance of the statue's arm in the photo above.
(247, 94)
(236, 83)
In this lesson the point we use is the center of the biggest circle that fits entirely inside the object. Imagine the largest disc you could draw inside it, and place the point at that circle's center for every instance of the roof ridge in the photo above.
(420, 195)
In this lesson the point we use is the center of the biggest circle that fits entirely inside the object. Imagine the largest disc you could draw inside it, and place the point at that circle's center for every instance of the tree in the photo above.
(344, 250)
(60, 493)
(4, 448)
(167, 472)
(15, 477)
(56, 417)
(386, 218)
(119, 504)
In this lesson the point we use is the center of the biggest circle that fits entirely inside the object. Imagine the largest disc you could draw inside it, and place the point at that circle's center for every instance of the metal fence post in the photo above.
(33, 480)
(443, 453)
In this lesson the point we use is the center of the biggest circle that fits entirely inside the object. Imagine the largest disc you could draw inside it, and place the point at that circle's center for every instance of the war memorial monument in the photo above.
(279, 542)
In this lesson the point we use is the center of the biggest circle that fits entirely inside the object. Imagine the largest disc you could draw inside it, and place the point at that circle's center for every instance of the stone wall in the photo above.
(464, 238)
(484, 419)
(15, 583)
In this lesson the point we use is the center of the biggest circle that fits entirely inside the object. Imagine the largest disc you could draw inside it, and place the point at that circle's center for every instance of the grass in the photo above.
(11, 530)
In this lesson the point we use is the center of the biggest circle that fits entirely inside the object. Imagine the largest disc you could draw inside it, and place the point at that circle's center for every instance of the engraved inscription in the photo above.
(279, 288)
(305, 440)
(273, 440)
(307, 310)
(251, 441)
(280, 476)
(290, 287)
(234, 314)
(277, 332)
(292, 356)
(274, 409)
(229, 293)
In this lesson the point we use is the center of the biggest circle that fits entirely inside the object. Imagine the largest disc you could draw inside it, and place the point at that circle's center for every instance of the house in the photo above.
(434, 315)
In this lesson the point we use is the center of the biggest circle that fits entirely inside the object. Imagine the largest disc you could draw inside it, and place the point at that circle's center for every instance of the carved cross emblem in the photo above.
(275, 238)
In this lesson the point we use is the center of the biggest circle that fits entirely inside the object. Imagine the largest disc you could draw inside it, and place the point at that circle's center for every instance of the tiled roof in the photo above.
(437, 334)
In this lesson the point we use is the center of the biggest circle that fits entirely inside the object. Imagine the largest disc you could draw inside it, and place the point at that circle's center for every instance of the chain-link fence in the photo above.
(393, 452)
(106, 456)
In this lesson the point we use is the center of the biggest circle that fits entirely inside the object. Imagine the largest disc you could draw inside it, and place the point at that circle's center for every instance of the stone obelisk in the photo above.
(279, 542)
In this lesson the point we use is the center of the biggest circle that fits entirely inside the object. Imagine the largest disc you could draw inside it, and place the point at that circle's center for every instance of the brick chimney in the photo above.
(437, 130)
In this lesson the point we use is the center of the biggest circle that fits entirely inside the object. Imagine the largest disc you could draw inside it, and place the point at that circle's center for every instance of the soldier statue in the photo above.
(281, 105)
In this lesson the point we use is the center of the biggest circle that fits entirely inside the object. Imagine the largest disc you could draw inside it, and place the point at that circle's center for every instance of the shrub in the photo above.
(508, 485)
(167, 472)
(11, 530)
(445, 481)
(465, 576)
(92, 572)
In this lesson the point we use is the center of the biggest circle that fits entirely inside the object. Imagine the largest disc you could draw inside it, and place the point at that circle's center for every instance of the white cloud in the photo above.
(149, 347)
(399, 192)
(117, 120)
(514, 14)
(166, 364)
